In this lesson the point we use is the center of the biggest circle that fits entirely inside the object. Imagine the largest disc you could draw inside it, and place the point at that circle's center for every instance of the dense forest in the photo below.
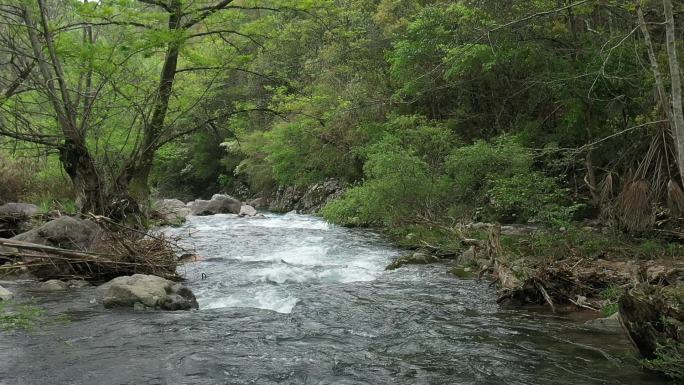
(526, 111)
(434, 114)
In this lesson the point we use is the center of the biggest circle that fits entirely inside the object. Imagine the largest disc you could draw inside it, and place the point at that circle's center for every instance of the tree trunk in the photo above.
(675, 76)
(136, 175)
(78, 164)
(74, 154)
(655, 68)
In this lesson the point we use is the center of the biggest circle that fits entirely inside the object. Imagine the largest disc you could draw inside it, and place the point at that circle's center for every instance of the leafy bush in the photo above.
(500, 178)
(403, 182)
(530, 196)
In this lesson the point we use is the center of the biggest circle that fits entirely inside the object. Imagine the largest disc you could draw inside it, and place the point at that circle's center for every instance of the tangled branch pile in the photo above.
(582, 281)
(113, 251)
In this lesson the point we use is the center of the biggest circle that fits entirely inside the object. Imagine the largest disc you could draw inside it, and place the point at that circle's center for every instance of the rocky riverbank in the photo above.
(642, 296)
(133, 269)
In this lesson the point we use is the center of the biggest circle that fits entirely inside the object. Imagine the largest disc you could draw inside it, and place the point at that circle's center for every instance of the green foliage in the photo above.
(499, 177)
(403, 176)
(530, 196)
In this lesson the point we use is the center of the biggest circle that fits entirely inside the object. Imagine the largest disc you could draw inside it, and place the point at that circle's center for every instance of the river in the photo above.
(289, 299)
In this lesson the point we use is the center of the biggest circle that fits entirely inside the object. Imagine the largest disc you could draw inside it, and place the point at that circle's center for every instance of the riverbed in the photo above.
(290, 299)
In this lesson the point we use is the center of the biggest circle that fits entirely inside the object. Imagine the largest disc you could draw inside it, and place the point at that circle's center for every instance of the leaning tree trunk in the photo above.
(137, 174)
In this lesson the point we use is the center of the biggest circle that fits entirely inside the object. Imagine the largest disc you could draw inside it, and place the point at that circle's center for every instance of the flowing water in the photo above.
(292, 300)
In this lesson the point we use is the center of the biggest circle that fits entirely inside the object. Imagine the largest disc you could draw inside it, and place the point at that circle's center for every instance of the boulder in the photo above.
(219, 204)
(15, 218)
(258, 203)
(65, 232)
(5, 295)
(319, 195)
(25, 210)
(171, 212)
(306, 200)
(247, 211)
(53, 285)
(146, 291)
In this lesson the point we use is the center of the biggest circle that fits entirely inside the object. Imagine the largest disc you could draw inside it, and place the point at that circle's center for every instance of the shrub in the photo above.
(404, 179)
(499, 177)
(530, 196)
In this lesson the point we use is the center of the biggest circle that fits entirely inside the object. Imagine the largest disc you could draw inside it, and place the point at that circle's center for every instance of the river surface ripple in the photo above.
(290, 299)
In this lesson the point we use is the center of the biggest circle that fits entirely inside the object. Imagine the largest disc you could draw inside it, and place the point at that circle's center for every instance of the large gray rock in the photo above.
(18, 209)
(306, 200)
(5, 295)
(258, 203)
(64, 232)
(15, 218)
(247, 211)
(148, 291)
(319, 195)
(219, 204)
(170, 211)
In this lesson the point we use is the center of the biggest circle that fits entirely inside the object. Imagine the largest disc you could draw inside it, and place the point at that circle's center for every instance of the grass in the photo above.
(610, 296)
(19, 316)
(26, 317)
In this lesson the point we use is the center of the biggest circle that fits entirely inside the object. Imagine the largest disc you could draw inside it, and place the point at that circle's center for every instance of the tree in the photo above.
(94, 95)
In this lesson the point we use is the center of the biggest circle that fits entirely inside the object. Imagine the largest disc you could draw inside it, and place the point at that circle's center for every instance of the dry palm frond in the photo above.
(634, 208)
(606, 198)
(675, 198)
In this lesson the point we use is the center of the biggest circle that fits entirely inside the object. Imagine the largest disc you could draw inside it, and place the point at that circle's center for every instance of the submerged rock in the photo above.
(5, 295)
(611, 323)
(462, 272)
(53, 285)
(146, 291)
(170, 211)
(77, 283)
(219, 204)
(413, 259)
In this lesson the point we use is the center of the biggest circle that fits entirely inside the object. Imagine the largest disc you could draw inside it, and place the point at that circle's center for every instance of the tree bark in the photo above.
(136, 174)
(655, 68)
(675, 77)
